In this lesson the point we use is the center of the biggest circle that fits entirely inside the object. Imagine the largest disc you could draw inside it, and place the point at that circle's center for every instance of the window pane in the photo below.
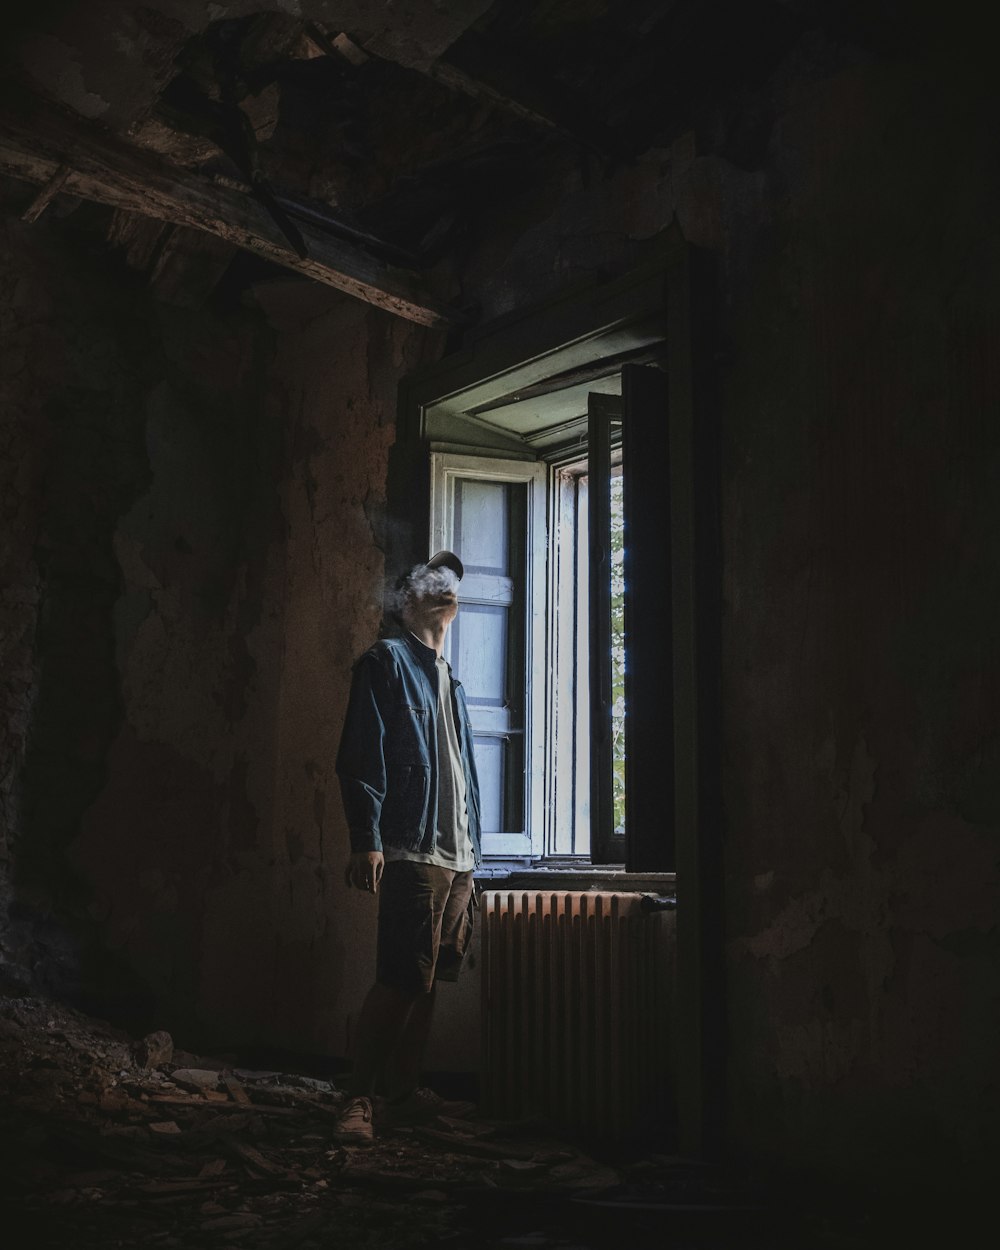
(486, 644)
(489, 765)
(480, 648)
(482, 518)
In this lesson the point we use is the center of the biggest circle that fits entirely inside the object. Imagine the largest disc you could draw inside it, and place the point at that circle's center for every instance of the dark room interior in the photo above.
(678, 321)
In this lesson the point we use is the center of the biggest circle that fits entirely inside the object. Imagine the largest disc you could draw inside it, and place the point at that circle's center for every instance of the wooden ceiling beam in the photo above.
(39, 141)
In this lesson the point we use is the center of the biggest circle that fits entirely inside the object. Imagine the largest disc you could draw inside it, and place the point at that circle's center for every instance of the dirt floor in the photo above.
(108, 1141)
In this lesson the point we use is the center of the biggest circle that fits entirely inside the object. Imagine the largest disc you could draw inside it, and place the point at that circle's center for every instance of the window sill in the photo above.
(555, 876)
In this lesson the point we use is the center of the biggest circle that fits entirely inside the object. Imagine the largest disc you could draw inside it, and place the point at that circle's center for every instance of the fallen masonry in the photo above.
(106, 1142)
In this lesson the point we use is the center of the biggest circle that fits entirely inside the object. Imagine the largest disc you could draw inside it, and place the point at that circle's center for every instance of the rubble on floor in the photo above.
(107, 1142)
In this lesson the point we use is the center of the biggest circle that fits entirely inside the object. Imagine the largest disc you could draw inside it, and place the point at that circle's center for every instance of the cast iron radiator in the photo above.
(577, 989)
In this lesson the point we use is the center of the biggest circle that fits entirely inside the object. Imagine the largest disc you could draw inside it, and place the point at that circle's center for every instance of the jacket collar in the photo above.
(426, 655)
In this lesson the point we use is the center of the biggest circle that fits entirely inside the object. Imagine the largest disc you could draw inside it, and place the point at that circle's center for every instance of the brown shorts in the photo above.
(424, 924)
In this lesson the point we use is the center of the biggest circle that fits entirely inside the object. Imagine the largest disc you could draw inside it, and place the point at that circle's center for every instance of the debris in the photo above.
(237, 1091)
(155, 1049)
(195, 1079)
(227, 1222)
(258, 1164)
(519, 1172)
(468, 1146)
(245, 1157)
(157, 1188)
(584, 1173)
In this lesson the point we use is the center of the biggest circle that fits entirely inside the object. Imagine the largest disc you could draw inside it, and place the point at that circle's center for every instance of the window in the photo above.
(543, 448)
(542, 591)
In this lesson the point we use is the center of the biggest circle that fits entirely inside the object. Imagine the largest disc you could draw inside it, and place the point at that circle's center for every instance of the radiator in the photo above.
(577, 990)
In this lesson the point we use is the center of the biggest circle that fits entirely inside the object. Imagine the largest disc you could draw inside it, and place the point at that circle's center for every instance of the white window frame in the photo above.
(568, 751)
(446, 469)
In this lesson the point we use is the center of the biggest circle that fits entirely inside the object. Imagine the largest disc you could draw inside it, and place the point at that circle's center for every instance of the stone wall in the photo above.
(144, 549)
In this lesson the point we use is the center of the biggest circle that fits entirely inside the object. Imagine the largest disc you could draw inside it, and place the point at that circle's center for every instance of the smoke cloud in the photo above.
(422, 582)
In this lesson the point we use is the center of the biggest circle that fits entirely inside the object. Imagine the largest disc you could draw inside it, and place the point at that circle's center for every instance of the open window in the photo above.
(545, 446)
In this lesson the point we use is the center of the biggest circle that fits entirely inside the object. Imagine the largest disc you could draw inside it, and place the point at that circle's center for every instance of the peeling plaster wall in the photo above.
(143, 569)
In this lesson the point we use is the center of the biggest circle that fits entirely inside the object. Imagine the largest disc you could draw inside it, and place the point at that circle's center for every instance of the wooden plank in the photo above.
(48, 193)
(238, 1093)
(37, 139)
(254, 1161)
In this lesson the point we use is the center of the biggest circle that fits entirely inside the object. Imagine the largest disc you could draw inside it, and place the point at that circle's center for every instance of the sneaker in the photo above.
(354, 1124)
(423, 1104)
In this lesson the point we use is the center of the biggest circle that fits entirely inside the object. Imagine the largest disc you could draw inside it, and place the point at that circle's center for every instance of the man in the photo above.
(411, 796)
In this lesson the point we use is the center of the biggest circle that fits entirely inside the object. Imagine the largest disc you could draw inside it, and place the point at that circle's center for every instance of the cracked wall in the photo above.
(143, 523)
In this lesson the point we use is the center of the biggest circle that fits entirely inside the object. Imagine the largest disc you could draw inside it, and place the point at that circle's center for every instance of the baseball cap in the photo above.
(447, 560)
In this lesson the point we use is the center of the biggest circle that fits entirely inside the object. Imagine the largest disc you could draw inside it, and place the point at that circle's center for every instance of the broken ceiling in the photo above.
(357, 144)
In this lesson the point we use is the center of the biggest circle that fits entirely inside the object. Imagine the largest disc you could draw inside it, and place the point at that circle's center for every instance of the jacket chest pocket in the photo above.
(409, 743)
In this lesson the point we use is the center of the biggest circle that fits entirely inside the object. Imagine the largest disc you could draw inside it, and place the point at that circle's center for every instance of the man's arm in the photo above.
(361, 758)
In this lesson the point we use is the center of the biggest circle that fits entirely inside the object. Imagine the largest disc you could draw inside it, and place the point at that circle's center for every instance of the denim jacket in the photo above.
(388, 757)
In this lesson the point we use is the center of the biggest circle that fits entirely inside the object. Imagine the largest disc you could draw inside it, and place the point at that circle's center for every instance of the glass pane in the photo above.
(486, 644)
(489, 766)
(481, 518)
(481, 652)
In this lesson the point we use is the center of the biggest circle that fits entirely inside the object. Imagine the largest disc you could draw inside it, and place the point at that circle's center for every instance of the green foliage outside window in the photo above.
(618, 650)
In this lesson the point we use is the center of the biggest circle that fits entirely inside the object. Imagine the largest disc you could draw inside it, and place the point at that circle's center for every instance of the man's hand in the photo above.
(364, 870)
